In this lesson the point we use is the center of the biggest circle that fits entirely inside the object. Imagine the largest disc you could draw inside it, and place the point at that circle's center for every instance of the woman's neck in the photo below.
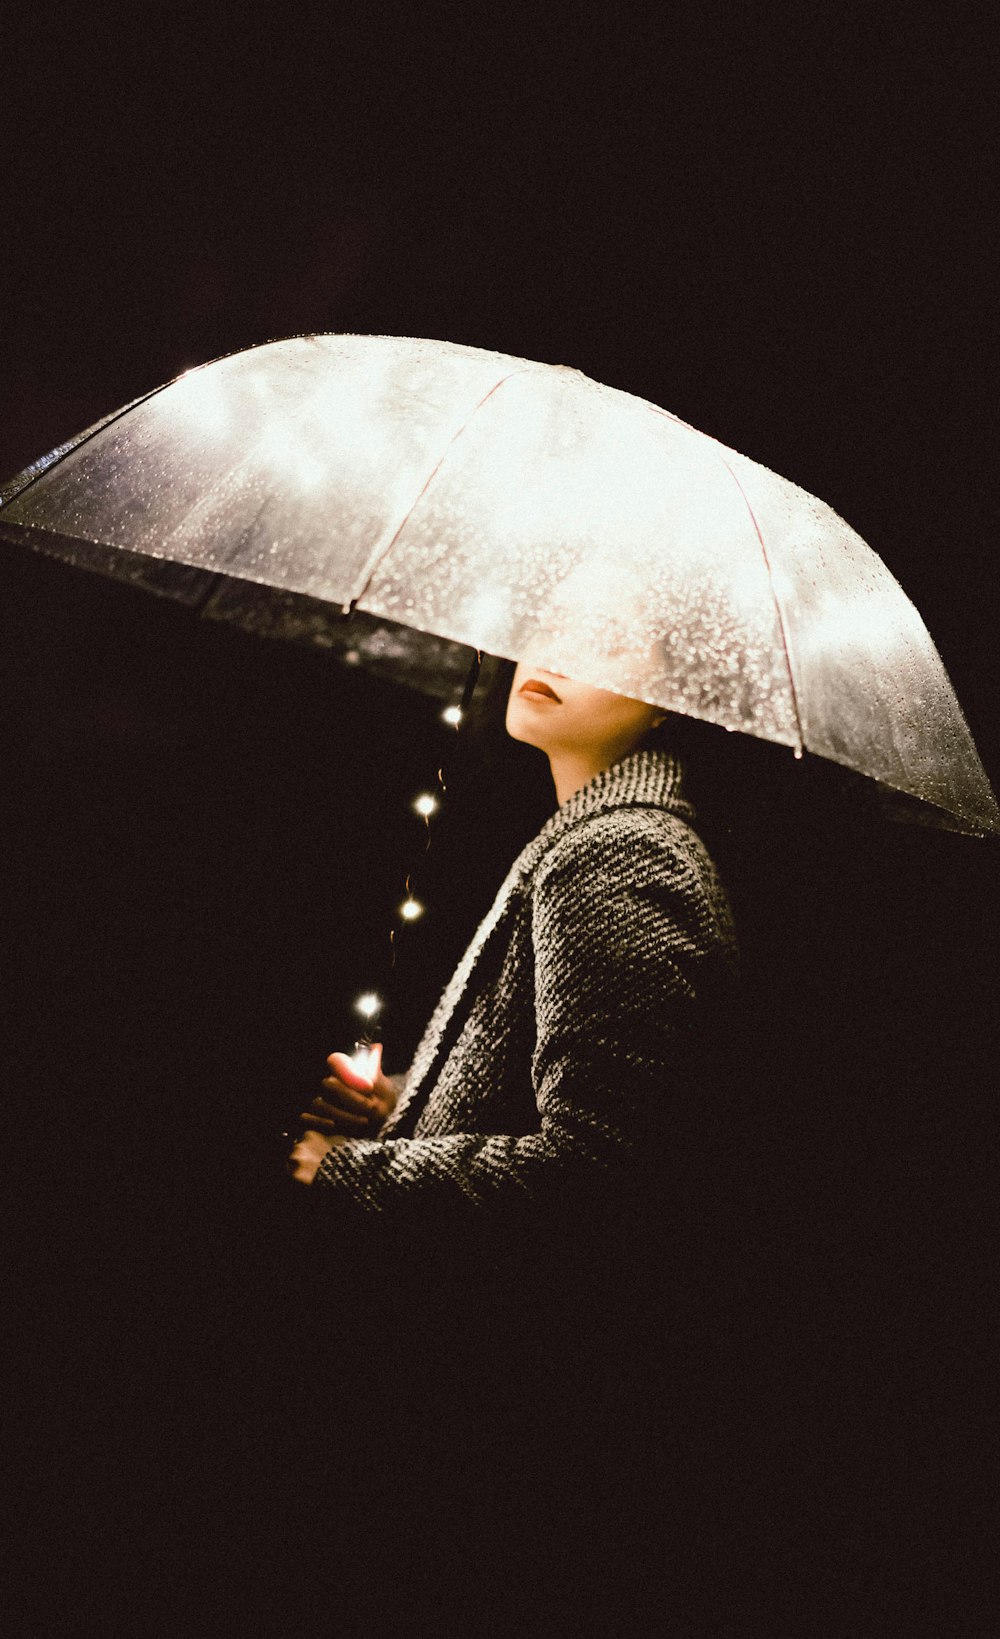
(571, 771)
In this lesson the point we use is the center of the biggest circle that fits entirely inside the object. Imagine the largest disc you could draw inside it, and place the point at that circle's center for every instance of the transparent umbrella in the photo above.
(397, 498)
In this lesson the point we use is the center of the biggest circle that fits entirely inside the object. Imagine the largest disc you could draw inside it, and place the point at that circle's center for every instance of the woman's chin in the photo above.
(524, 733)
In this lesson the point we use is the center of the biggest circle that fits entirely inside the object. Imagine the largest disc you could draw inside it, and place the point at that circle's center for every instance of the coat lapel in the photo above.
(644, 779)
(505, 902)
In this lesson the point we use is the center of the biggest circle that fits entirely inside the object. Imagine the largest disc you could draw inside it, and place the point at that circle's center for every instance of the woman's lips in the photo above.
(541, 690)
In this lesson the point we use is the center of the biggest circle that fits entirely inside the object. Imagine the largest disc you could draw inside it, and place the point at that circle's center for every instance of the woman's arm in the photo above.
(623, 938)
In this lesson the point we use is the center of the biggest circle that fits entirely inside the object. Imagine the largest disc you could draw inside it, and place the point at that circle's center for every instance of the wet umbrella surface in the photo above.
(450, 496)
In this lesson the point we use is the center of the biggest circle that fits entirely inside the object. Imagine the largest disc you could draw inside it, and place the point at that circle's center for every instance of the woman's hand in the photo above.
(303, 1163)
(356, 1104)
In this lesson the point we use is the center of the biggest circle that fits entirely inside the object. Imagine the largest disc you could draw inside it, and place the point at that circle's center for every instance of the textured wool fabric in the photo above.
(567, 1047)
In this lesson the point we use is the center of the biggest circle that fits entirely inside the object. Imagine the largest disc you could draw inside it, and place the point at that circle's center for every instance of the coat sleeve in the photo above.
(624, 931)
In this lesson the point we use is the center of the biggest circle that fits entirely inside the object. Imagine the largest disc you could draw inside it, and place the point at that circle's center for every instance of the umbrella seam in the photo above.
(770, 581)
(786, 646)
(45, 463)
(365, 578)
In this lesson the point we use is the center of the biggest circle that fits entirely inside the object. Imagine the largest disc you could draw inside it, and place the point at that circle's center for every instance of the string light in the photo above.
(368, 1005)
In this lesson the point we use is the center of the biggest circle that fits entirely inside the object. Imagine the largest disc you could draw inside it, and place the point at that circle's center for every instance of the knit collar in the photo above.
(643, 779)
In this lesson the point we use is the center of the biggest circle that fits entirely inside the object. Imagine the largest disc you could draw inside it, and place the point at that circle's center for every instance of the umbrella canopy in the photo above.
(523, 509)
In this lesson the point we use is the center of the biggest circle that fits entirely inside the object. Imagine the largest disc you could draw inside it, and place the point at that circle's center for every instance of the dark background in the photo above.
(780, 230)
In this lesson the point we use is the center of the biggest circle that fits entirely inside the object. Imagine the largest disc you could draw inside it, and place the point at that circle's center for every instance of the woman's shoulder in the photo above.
(631, 825)
(634, 836)
(640, 873)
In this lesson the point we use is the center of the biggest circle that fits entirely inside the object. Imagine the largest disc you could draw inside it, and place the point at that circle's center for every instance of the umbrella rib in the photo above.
(15, 487)
(365, 576)
(777, 604)
(786, 646)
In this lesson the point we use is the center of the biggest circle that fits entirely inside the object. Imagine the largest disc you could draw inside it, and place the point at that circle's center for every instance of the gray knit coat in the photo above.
(572, 1035)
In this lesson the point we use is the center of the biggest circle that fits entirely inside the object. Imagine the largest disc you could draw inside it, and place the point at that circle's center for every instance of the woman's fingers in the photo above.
(348, 1073)
(317, 1123)
(334, 1119)
(349, 1098)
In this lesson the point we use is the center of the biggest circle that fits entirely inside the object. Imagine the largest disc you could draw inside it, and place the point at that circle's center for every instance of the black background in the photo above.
(779, 229)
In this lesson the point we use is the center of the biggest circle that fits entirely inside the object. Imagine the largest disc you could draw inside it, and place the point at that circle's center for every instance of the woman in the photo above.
(566, 1056)
(536, 1360)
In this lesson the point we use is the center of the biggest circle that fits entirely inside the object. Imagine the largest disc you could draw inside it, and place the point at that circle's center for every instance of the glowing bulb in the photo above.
(452, 715)
(410, 909)
(426, 805)
(368, 1004)
(364, 1060)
